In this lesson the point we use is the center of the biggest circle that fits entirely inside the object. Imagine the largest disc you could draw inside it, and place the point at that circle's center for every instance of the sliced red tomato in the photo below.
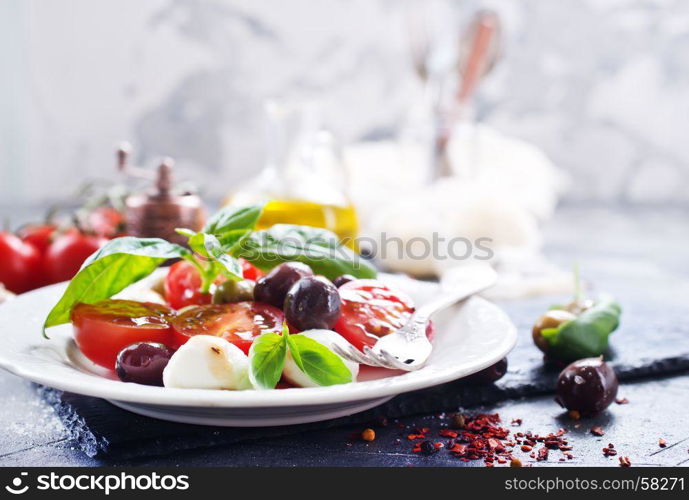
(103, 329)
(371, 310)
(239, 322)
(249, 271)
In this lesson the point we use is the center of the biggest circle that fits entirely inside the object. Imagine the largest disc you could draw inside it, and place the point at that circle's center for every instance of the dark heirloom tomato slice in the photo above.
(103, 329)
(371, 310)
(239, 322)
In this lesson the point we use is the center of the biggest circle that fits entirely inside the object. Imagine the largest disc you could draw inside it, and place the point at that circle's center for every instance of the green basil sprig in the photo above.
(586, 336)
(268, 354)
(124, 261)
(229, 234)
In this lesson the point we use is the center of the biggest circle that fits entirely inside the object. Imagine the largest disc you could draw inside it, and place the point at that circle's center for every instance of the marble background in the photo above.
(601, 85)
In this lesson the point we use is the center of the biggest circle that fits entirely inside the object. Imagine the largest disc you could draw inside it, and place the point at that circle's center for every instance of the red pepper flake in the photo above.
(610, 451)
(418, 433)
(552, 444)
(447, 433)
(482, 437)
(625, 462)
(597, 430)
(516, 422)
(662, 443)
(622, 401)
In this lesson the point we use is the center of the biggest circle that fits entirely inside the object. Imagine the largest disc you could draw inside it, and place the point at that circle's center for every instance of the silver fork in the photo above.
(408, 348)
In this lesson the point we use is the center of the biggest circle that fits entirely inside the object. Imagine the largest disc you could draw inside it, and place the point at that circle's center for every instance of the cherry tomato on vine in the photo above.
(38, 235)
(106, 222)
(68, 252)
(20, 264)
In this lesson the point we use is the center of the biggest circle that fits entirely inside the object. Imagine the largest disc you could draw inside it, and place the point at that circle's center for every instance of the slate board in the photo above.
(105, 431)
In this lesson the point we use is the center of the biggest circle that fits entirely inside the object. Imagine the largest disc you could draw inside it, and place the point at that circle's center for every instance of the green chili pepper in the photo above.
(586, 335)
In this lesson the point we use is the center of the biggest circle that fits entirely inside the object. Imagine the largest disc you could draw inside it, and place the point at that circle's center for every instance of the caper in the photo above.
(234, 291)
(551, 319)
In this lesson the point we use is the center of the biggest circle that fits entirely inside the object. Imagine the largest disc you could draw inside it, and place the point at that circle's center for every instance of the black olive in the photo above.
(143, 363)
(587, 385)
(489, 375)
(312, 302)
(272, 288)
(341, 280)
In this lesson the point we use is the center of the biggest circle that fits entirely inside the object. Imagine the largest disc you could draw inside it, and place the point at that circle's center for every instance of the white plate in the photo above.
(468, 338)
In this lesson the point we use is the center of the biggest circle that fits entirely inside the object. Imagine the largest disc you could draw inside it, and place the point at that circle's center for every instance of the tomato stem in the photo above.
(207, 274)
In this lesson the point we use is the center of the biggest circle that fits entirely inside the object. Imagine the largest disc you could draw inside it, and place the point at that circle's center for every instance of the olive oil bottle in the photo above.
(304, 181)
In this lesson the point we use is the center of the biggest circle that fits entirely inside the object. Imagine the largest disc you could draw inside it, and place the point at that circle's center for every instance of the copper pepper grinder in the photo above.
(156, 213)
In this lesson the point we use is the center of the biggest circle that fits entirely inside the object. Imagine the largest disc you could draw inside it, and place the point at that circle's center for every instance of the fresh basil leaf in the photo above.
(145, 247)
(318, 248)
(318, 362)
(111, 269)
(267, 360)
(587, 335)
(231, 218)
(232, 239)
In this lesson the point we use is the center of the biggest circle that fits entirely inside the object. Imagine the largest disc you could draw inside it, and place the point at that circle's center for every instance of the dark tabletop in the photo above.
(648, 245)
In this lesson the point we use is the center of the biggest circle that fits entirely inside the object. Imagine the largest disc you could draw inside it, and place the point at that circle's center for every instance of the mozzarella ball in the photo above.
(327, 338)
(208, 362)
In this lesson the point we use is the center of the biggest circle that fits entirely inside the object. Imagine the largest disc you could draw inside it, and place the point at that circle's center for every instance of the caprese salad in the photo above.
(239, 309)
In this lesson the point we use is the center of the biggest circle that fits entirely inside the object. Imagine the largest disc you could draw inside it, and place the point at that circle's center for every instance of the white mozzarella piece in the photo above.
(208, 362)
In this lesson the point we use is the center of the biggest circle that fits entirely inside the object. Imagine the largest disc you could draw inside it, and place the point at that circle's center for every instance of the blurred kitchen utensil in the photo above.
(158, 211)
(479, 51)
